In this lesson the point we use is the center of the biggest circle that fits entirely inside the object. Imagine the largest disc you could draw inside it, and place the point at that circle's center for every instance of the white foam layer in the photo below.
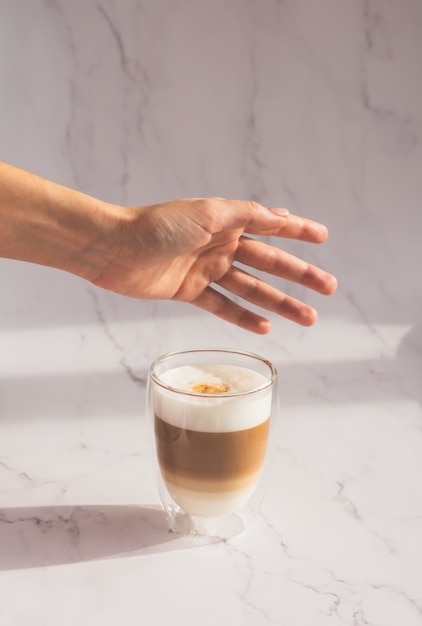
(209, 412)
(210, 505)
(237, 379)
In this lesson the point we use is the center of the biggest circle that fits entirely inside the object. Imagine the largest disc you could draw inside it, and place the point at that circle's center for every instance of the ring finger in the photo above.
(261, 294)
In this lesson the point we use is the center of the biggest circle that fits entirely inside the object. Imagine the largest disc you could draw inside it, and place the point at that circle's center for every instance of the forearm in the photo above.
(49, 224)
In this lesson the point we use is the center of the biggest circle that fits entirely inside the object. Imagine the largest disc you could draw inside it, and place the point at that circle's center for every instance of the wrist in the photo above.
(90, 236)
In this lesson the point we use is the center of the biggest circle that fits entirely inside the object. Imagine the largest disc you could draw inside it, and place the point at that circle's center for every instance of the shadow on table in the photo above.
(59, 535)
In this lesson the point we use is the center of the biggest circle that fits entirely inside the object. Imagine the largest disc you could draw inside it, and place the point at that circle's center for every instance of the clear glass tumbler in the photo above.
(213, 417)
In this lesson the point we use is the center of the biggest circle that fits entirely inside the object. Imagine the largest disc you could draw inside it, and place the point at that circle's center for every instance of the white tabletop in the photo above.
(81, 534)
(137, 102)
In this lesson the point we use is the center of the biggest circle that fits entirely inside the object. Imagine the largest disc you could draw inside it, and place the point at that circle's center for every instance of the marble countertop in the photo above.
(82, 538)
(311, 105)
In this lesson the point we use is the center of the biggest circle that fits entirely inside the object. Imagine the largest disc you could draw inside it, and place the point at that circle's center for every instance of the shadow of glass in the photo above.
(58, 535)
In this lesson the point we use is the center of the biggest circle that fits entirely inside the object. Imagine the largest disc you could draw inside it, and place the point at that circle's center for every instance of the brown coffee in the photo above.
(214, 462)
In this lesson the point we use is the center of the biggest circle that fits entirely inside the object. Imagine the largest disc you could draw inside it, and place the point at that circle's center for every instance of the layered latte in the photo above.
(211, 430)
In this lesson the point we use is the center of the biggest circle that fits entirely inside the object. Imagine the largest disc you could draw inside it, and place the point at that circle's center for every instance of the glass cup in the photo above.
(213, 417)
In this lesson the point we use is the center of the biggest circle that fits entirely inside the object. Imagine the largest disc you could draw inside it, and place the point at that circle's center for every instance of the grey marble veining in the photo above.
(312, 105)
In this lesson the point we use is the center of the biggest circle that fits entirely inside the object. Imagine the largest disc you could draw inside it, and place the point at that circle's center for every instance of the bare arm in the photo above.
(45, 223)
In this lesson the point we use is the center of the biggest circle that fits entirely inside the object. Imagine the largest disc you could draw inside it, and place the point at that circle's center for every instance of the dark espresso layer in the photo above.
(225, 460)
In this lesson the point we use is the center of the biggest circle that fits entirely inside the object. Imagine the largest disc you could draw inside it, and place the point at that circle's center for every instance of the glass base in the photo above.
(221, 527)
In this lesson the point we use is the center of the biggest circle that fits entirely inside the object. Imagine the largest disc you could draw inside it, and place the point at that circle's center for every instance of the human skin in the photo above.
(187, 250)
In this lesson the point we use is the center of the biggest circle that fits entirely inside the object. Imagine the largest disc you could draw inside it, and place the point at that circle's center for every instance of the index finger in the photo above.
(296, 227)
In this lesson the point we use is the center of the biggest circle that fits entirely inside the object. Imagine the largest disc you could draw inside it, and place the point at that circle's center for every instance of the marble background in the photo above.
(313, 105)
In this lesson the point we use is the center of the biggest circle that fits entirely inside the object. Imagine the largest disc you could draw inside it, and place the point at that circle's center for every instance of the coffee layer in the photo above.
(219, 457)
(206, 484)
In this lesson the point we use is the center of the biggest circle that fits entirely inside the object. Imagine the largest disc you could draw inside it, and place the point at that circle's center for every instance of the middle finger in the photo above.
(261, 294)
(272, 260)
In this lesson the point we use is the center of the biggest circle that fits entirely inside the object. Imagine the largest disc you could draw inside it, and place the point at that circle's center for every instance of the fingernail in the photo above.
(281, 212)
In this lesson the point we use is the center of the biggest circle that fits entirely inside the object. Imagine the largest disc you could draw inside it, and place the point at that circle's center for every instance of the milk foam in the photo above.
(238, 379)
(213, 413)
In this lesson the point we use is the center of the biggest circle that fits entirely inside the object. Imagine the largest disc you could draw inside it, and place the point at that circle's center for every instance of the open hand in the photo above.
(200, 251)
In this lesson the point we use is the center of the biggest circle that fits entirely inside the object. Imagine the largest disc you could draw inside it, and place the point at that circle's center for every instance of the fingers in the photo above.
(259, 293)
(240, 283)
(287, 225)
(272, 260)
(215, 215)
(304, 229)
(220, 305)
(295, 227)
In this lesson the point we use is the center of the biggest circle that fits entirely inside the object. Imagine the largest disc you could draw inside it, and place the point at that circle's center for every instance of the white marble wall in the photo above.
(311, 104)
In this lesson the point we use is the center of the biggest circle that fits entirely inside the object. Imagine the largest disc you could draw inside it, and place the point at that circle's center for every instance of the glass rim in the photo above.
(152, 375)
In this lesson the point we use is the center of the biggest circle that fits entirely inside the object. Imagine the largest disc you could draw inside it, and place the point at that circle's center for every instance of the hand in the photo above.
(183, 250)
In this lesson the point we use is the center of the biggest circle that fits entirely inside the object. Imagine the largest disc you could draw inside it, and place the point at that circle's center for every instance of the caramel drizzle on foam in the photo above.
(210, 388)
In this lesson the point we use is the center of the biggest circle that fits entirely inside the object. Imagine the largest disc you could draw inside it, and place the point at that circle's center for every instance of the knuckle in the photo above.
(253, 287)
(272, 260)
(209, 210)
(255, 206)
(308, 275)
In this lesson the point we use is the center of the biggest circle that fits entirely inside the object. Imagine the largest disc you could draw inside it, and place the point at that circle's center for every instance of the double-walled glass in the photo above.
(213, 416)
